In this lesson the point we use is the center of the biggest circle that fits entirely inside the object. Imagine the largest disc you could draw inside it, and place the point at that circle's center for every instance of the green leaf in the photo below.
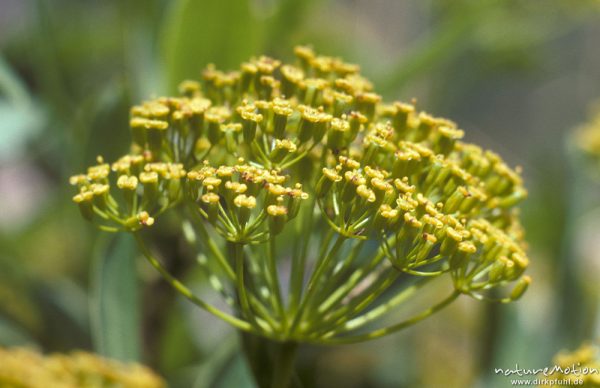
(198, 32)
(286, 23)
(115, 315)
(21, 118)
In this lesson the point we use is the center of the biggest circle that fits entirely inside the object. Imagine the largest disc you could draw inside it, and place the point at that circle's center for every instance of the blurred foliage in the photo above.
(69, 70)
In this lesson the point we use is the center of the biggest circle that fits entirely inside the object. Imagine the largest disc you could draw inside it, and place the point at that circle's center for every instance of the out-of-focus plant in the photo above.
(256, 166)
(580, 367)
(584, 154)
(22, 367)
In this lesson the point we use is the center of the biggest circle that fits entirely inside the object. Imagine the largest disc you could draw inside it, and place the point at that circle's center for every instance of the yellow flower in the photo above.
(309, 152)
(22, 367)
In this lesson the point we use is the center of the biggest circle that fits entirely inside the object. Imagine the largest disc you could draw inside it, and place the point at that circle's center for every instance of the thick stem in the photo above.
(271, 362)
(285, 354)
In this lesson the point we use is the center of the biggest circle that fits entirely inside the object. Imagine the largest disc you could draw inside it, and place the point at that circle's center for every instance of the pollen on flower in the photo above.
(210, 197)
(85, 196)
(236, 187)
(127, 182)
(286, 145)
(246, 201)
(277, 210)
(467, 247)
(77, 180)
(148, 177)
(366, 193)
(140, 122)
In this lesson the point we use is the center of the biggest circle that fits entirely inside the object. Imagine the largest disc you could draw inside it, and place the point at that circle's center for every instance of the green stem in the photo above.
(218, 255)
(186, 292)
(357, 304)
(285, 354)
(321, 264)
(339, 273)
(274, 280)
(210, 243)
(259, 280)
(383, 308)
(271, 362)
(394, 328)
(284, 364)
(238, 254)
(345, 289)
(328, 281)
(299, 257)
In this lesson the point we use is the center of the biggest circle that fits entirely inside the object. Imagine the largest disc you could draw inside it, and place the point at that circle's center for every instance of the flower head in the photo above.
(312, 144)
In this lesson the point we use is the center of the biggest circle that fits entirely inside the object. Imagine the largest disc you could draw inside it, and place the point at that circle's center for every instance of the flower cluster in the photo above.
(433, 212)
(123, 196)
(310, 144)
(21, 367)
(238, 199)
(580, 367)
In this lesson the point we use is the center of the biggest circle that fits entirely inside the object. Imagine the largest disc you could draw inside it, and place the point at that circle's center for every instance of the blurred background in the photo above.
(517, 75)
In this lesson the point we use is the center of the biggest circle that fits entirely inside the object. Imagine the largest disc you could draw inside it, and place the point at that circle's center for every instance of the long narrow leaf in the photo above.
(115, 315)
(198, 32)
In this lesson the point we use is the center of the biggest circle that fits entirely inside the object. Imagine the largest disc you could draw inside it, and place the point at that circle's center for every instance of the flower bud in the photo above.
(150, 182)
(366, 102)
(282, 149)
(329, 177)
(84, 201)
(450, 242)
(291, 78)
(214, 117)
(189, 88)
(155, 133)
(244, 205)
(248, 77)
(520, 288)
(446, 138)
(210, 205)
(281, 111)
(461, 257)
(423, 249)
(426, 125)
(250, 121)
(313, 91)
(337, 137)
(400, 120)
(277, 216)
